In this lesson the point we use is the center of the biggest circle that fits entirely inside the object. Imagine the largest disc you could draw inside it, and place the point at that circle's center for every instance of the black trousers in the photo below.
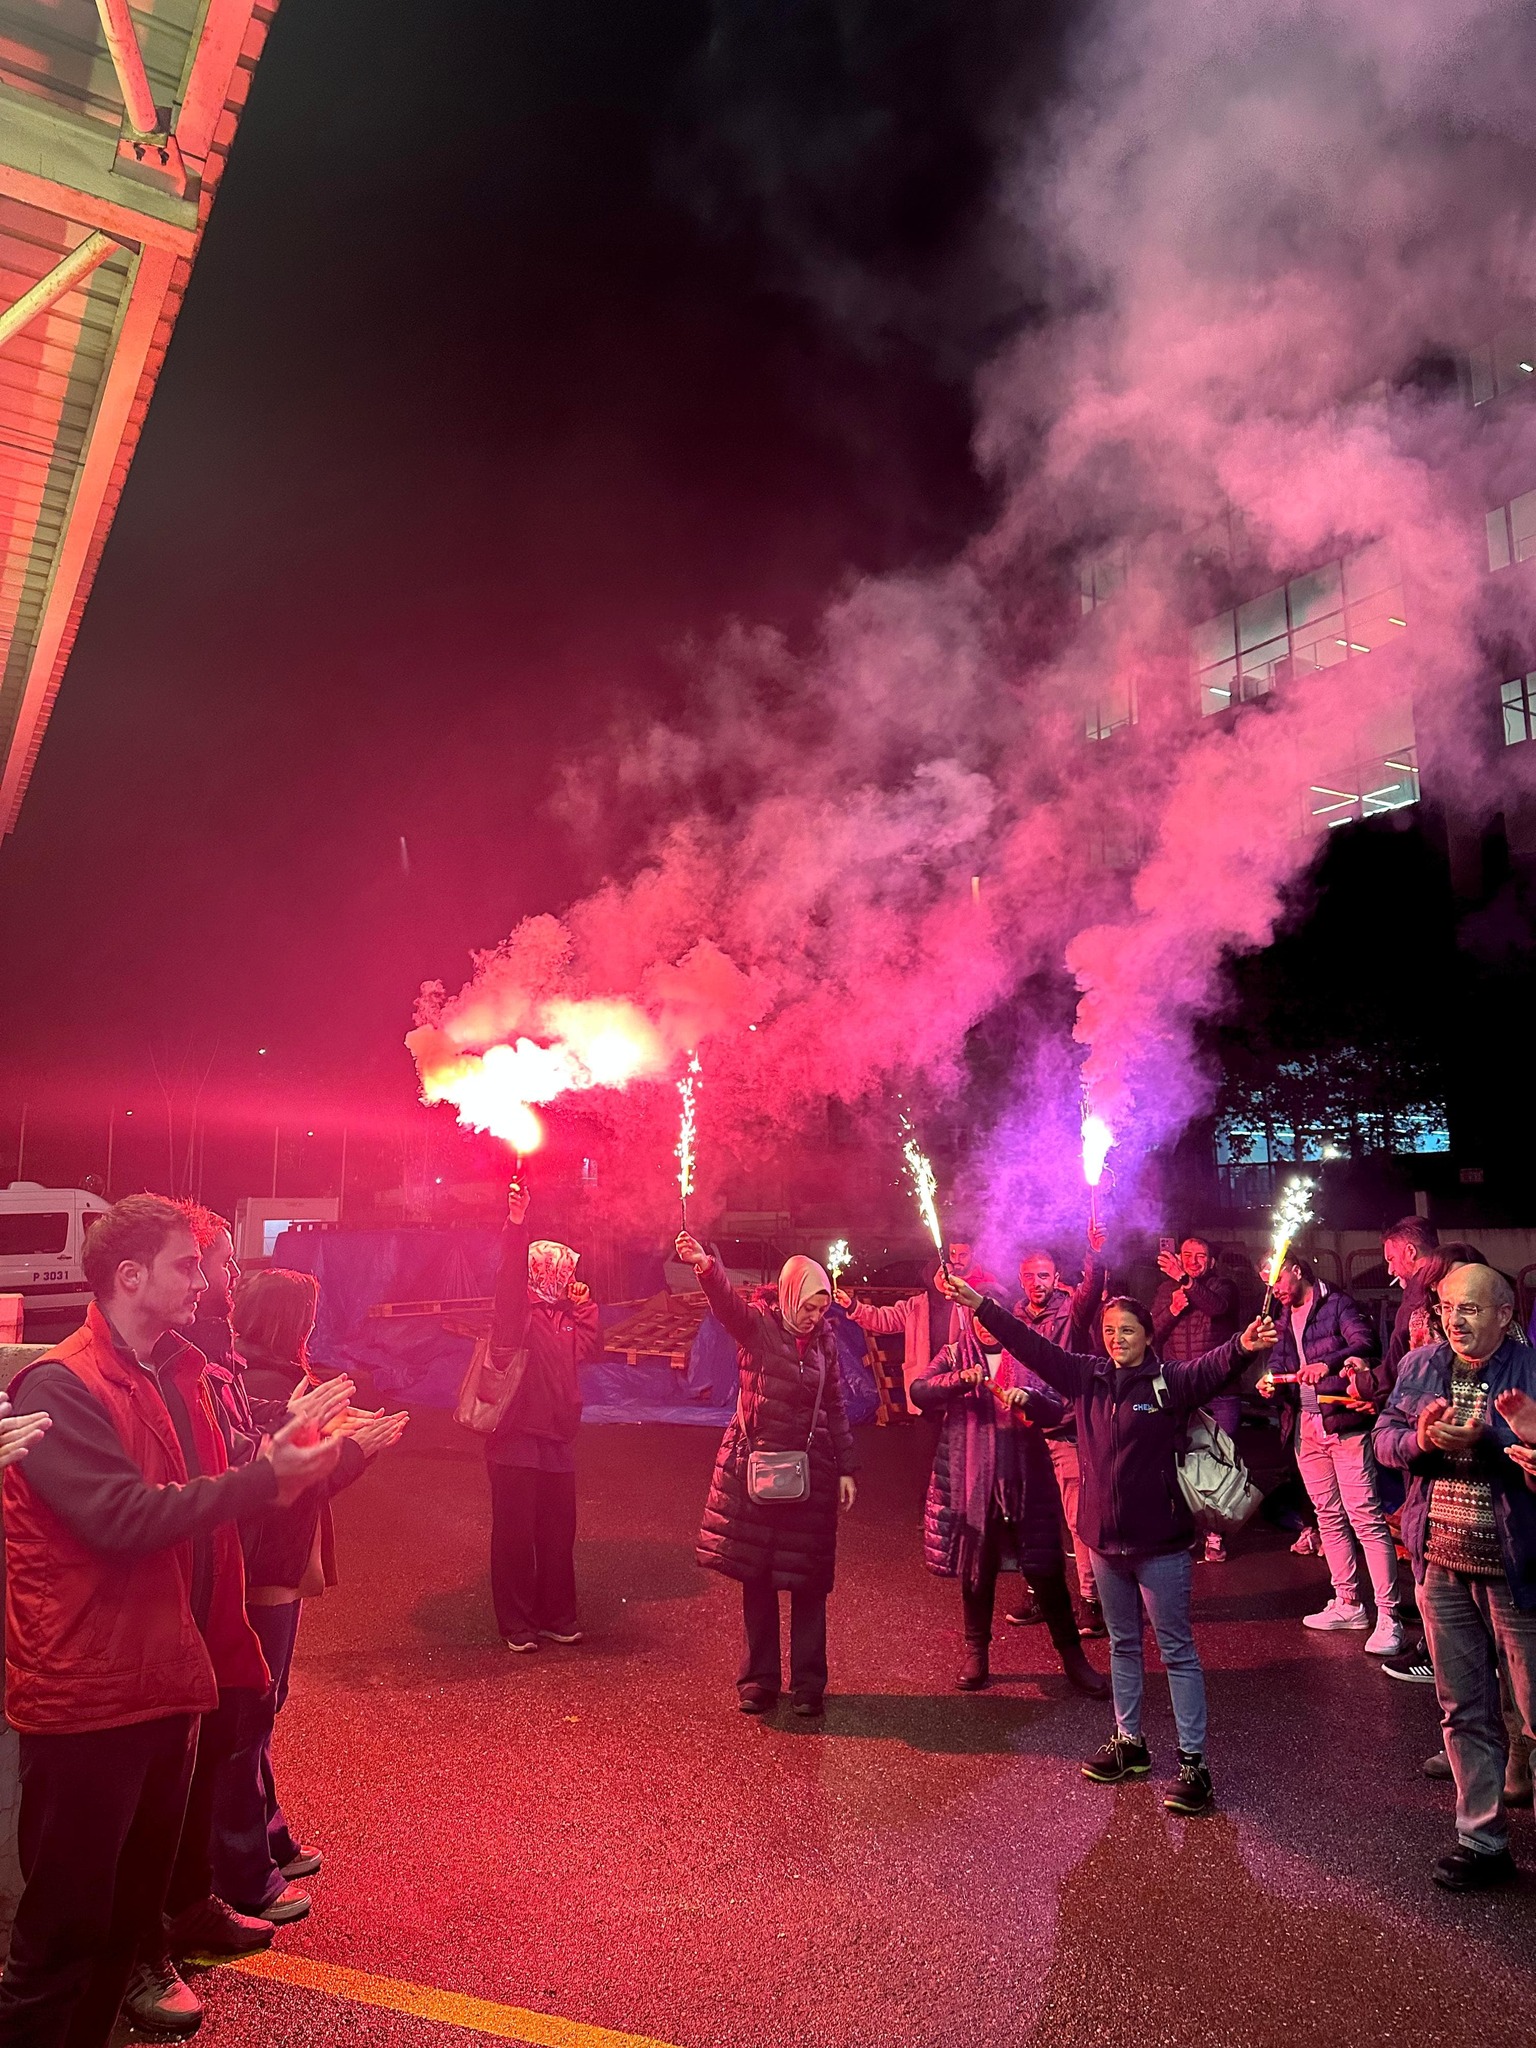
(101, 1818)
(533, 1550)
(1050, 1589)
(807, 1639)
(192, 1872)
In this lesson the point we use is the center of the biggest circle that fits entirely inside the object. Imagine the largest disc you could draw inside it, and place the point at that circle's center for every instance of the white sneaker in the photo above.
(1215, 1549)
(1386, 1639)
(1337, 1615)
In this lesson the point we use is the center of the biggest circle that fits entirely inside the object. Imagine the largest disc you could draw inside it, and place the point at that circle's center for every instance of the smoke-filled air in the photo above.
(1252, 235)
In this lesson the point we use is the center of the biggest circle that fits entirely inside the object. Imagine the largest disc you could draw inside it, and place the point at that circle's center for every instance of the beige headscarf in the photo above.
(800, 1277)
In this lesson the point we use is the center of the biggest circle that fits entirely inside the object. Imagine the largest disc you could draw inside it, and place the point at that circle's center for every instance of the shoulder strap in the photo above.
(821, 1388)
(1160, 1388)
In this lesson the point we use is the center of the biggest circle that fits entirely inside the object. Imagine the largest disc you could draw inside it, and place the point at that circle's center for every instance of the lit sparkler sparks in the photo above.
(926, 1188)
(1292, 1214)
(687, 1090)
(839, 1258)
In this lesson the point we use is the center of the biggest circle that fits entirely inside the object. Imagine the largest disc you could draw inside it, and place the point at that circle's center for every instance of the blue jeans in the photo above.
(1163, 1582)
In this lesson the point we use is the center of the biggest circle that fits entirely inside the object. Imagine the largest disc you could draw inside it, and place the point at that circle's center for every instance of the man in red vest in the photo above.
(124, 1613)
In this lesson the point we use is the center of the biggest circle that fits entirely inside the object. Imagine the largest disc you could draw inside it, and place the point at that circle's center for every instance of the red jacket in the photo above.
(103, 1638)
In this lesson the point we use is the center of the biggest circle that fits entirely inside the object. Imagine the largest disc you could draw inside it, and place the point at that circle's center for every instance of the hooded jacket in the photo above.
(1336, 1328)
(1130, 1504)
(1425, 1376)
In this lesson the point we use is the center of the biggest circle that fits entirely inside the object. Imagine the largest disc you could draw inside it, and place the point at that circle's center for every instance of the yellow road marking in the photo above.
(452, 2008)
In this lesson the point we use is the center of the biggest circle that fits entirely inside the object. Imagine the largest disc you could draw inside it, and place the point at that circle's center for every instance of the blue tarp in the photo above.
(416, 1357)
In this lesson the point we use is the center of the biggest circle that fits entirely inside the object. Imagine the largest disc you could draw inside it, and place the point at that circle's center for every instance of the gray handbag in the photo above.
(782, 1476)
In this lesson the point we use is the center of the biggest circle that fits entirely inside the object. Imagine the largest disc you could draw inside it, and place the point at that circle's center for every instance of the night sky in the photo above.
(526, 349)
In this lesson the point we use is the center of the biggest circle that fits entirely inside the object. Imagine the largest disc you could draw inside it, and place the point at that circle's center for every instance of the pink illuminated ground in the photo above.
(597, 1834)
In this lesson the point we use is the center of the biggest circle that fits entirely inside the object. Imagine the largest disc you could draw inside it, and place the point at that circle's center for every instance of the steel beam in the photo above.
(128, 62)
(66, 164)
(63, 277)
(136, 332)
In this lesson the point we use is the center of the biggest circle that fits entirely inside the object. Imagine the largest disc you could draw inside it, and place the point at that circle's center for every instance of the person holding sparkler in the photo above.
(1321, 1372)
(1132, 1512)
(789, 1438)
(992, 1498)
(547, 1316)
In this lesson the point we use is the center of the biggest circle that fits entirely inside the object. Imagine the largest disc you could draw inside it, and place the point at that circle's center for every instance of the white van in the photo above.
(41, 1232)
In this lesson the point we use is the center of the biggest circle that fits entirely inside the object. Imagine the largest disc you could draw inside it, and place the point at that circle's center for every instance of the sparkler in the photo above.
(1097, 1139)
(839, 1258)
(687, 1090)
(1292, 1214)
(926, 1188)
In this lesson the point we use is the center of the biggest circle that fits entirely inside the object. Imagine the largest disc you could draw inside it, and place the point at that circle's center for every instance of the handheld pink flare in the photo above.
(687, 1090)
(1097, 1139)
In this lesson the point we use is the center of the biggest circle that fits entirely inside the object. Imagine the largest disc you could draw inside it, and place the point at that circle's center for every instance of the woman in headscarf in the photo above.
(547, 1314)
(992, 1498)
(790, 1400)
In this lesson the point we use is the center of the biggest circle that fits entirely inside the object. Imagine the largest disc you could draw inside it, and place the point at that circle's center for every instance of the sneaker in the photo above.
(159, 2002)
(1337, 1616)
(1413, 1669)
(1191, 1790)
(211, 1931)
(808, 1705)
(757, 1699)
(1306, 1544)
(555, 1635)
(1025, 1614)
(1090, 1623)
(1472, 1870)
(1386, 1639)
(1215, 1549)
(305, 1864)
(1436, 1766)
(521, 1644)
(1122, 1757)
(290, 1904)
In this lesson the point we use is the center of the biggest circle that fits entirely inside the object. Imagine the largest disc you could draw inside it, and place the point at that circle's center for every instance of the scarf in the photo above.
(800, 1277)
(551, 1269)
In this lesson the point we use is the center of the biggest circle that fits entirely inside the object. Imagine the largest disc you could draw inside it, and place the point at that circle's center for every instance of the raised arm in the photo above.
(726, 1305)
(509, 1317)
(882, 1322)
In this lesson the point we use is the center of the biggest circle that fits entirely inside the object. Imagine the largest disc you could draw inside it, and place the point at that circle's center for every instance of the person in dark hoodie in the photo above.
(992, 1496)
(545, 1313)
(290, 1557)
(1133, 1514)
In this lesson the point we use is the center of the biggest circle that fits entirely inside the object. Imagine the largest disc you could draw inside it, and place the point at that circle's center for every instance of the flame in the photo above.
(839, 1258)
(1097, 1139)
(926, 1188)
(594, 1044)
(1292, 1213)
(687, 1090)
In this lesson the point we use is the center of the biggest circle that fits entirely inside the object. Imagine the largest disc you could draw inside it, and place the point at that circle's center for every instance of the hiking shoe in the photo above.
(1306, 1544)
(1191, 1790)
(159, 2002)
(1386, 1639)
(1436, 1766)
(305, 1864)
(1215, 1549)
(1122, 1757)
(1472, 1870)
(1337, 1616)
(210, 1932)
(1413, 1669)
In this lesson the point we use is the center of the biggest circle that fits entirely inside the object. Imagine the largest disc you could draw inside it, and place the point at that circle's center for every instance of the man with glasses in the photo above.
(1469, 1522)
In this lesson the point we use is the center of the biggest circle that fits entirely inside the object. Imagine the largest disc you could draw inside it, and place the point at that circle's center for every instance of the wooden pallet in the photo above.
(662, 1327)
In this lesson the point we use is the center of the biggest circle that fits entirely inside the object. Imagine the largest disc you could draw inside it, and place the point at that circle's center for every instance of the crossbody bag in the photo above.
(782, 1476)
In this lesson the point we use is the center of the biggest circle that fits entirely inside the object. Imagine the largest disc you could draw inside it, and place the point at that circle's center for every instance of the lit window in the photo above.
(1512, 531)
(1382, 782)
(1112, 711)
(1518, 701)
(1331, 614)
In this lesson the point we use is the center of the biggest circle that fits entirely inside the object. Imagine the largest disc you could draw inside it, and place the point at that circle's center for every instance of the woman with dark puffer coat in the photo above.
(993, 1496)
(790, 1400)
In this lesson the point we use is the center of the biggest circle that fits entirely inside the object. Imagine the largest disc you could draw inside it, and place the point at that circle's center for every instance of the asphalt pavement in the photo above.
(591, 1846)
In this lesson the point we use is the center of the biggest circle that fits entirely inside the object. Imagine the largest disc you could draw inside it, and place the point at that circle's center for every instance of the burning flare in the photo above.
(1292, 1214)
(926, 1188)
(839, 1258)
(1097, 1139)
(687, 1090)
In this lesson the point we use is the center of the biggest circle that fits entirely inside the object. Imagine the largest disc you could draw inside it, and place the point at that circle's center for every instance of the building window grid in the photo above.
(1517, 701)
(1512, 532)
(1388, 782)
(1332, 614)
(1113, 711)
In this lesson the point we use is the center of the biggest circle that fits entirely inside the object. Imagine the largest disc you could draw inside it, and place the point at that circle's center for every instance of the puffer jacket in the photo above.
(981, 1442)
(1336, 1328)
(1131, 1504)
(792, 1543)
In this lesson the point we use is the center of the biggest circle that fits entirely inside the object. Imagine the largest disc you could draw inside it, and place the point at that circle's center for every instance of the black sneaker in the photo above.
(1191, 1790)
(1413, 1669)
(1091, 1622)
(158, 2002)
(1472, 1870)
(1026, 1613)
(757, 1699)
(1122, 1757)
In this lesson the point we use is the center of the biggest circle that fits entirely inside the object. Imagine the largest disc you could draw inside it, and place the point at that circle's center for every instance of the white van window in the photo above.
(33, 1234)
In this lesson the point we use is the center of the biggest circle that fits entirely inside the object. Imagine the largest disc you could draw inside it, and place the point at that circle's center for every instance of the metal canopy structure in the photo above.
(115, 123)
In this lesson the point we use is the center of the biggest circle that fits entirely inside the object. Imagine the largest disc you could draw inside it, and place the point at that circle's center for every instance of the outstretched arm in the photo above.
(725, 1303)
(1067, 1372)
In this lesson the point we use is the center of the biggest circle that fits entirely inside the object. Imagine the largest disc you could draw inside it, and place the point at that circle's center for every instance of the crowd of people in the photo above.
(169, 1468)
